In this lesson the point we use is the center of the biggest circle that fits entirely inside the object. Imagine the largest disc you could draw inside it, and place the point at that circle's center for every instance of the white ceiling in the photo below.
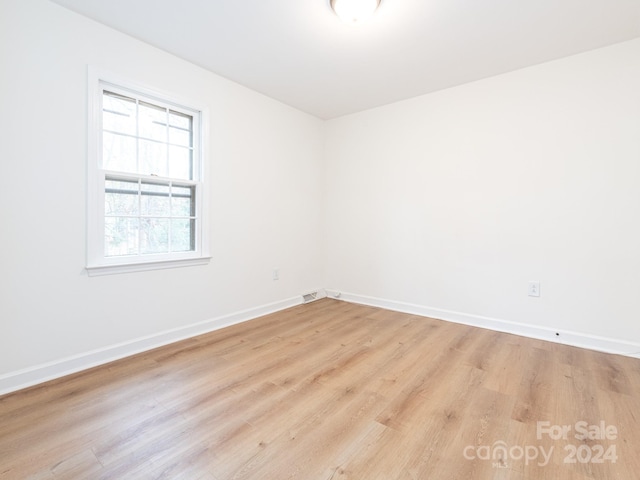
(299, 52)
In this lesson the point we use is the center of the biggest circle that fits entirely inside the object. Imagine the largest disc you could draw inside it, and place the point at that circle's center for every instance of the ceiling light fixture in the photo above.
(354, 11)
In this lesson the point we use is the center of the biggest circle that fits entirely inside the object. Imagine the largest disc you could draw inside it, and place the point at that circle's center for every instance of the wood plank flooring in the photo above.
(333, 391)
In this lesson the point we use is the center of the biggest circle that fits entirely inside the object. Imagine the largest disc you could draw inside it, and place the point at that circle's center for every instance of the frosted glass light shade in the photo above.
(354, 11)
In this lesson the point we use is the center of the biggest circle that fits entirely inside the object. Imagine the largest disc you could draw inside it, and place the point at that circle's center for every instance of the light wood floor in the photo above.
(331, 391)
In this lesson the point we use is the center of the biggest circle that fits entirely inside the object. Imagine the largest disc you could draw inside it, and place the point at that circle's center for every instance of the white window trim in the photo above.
(97, 263)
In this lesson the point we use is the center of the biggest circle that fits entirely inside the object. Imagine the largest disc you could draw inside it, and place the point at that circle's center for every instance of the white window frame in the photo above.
(97, 262)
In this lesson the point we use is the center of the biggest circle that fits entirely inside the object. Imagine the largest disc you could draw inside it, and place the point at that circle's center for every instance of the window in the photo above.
(146, 182)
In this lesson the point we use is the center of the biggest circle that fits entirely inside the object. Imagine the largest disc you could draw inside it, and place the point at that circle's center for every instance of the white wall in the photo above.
(453, 201)
(265, 170)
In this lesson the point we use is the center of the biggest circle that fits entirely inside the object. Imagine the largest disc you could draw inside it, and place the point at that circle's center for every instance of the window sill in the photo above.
(97, 270)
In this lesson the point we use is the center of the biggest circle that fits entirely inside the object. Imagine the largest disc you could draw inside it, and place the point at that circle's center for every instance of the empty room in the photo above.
(320, 239)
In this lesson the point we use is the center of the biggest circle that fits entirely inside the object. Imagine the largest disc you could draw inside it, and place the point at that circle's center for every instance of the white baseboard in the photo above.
(20, 379)
(565, 337)
(48, 371)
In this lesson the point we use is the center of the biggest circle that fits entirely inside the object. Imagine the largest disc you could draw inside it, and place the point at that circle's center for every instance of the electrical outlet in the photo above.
(276, 274)
(534, 288)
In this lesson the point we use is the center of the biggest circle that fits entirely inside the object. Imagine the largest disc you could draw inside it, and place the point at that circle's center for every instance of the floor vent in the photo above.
(309, 297)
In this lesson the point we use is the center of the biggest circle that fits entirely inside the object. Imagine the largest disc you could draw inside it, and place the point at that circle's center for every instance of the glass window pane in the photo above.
(120, 236)
(180, 120)
(118, 113)
(179, 136)
(121, 197)
(154, 235)
(183, 203)
(154, 199)
(153, 158)
(152, 122)
(118, 152)
(180, 165)
(183, 235)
